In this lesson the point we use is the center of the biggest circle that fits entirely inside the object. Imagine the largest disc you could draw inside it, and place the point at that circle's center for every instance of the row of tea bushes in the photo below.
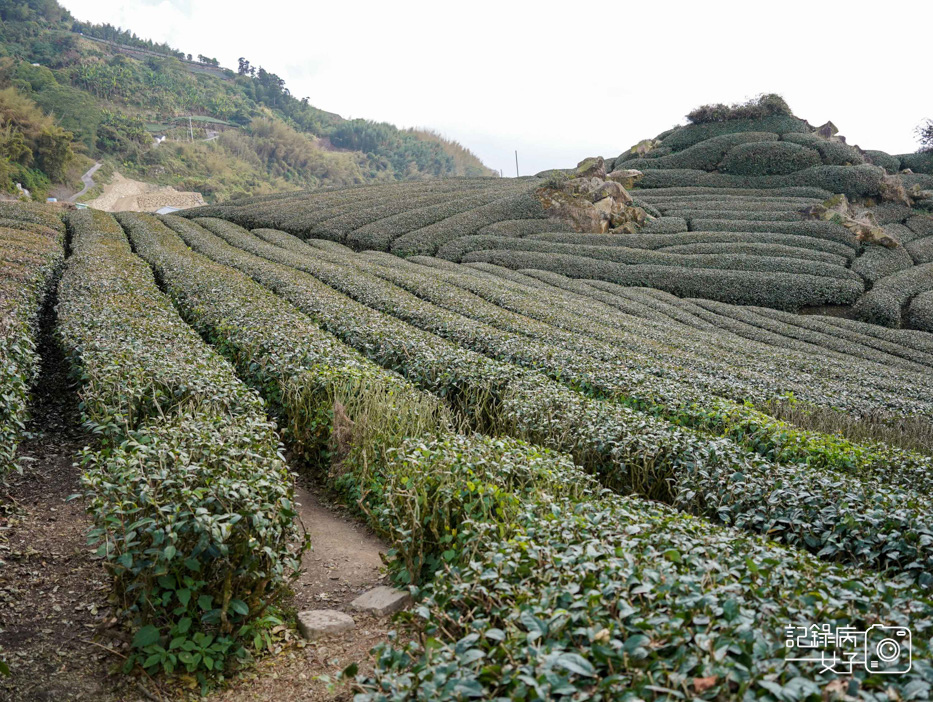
(301, 370)
(31, 254)
(607, 598)
(782, 290)
(885, 303)
(190, 497)
(469, 248)
(643, 453)
(853, 181)
(775, 440)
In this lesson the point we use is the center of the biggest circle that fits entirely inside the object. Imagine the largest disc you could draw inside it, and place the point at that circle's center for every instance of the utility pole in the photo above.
(516, 163)
(190, 130)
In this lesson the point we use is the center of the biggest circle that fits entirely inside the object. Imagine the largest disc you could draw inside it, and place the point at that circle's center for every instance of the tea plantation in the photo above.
(621, 426)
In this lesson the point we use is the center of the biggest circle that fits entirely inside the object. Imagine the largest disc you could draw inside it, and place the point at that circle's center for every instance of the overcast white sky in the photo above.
(562, 81)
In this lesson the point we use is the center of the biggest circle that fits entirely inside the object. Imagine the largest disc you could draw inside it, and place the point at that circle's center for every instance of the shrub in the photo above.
(659, 241)
(766, 158)
(687, 136)
(852, 181)
(884, 303)
(921, 225)
(647, 207)
(524, 227)
(693, 193)
(757, 249)
(878, 262)
(921, 250)
(891, 213)
(817, 229)
(704, 156)
(780, 290)
(426, 241)
(191, 500)
(31, 256)
(920, 314)
(891, 164)
(833, 153)
(665, 225)
(531, 613)
(921, 162)
(765, 105)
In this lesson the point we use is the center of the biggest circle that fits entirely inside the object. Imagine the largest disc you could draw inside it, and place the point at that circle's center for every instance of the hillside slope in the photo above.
(762, 210)
(226, 134)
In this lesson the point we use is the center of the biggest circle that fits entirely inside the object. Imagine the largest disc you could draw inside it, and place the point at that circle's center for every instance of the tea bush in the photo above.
(884, 303)
(190, 497)
(766, 158)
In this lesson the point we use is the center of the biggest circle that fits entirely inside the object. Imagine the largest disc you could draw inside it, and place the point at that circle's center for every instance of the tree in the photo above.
(925, 135)
(243, 66)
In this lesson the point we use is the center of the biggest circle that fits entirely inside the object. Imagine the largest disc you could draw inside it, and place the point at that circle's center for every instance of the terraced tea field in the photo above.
(615, 462)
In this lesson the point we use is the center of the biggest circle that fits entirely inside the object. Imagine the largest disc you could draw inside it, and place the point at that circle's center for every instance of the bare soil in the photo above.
(127, 195)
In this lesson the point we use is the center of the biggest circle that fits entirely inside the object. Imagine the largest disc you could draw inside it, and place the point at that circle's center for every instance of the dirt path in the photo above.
(345, 562)
(88, 180)
(53, 594)
(125, 194)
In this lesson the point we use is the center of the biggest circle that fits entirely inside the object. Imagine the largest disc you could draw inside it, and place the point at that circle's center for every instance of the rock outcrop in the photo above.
(592, 201)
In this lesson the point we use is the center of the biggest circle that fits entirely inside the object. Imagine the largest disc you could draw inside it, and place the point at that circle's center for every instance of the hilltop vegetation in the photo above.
(114, 92)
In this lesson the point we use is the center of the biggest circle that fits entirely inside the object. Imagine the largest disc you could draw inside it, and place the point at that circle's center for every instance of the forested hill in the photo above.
(71, 92)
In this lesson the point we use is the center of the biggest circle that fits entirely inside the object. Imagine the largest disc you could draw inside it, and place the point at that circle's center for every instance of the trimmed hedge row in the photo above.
(920, 313)
(609, 598)
(525, 227)
(649, 209)
(878, 262)
(891, 213)
(884, 304)
(853, 181)
(427, 240)
(300, 213)
(665, 225)
(191, 500)
(706, 192)
(891, 164)
(781, 290)
(767, 158)
(704, 156)
(821, 230)
(921, 225)
(918, 162)
(684, 137)
(833, 153)
(548, 413)
(757, 249)
(31, 255)
(515, 609)
(659, 241)
(762, 204)
(464, 249)
(742, 215)
(921, 250)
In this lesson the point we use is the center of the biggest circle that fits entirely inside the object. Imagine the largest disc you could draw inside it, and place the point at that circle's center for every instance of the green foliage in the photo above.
(530, 618)
(31, 254)
(920, 314)
(766, 105)
(884, 304)
(767, 158)
(891, 164)
(691, 134)
(921, 162)
(190, 496)
(705, 156)
(833, 153)
(853, 181)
